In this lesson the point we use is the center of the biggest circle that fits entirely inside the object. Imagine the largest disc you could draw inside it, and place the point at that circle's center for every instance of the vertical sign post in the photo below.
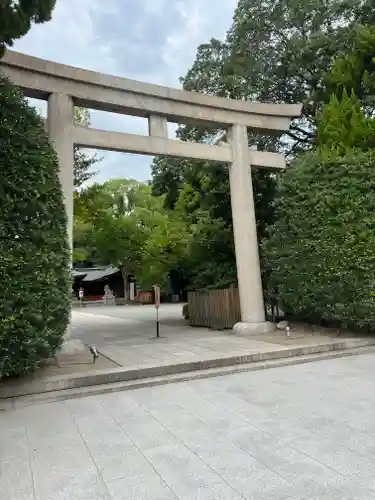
(157, 306)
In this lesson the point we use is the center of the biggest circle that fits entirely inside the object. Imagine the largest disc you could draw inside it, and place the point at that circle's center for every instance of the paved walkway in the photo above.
(301, 432)
(126, 336)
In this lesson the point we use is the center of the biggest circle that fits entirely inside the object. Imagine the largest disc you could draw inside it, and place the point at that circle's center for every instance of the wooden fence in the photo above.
(219, 309)
(145, 297)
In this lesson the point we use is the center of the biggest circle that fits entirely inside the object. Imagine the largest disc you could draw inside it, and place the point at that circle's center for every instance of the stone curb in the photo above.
(118, 375)
(15, 403)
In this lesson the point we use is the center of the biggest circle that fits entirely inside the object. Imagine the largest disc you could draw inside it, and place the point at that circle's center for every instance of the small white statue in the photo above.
(109, 298)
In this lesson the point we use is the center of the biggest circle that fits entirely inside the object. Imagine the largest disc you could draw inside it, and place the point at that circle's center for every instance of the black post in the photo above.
(157, 324)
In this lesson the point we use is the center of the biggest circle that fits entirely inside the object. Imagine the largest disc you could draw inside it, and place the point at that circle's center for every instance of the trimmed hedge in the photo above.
(321, 252)
(35, 284)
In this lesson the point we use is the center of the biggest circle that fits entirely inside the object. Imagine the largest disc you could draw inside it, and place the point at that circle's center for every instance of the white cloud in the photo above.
(69, 37)
(183, 41)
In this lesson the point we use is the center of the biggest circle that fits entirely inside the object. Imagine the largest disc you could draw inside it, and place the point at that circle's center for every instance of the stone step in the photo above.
(12, 403)
(123, 374)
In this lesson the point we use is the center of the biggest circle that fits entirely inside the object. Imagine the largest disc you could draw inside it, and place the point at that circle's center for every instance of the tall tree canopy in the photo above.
(16, 17)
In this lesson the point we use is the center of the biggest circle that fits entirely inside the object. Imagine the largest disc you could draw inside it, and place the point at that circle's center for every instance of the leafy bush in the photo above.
(35, 282)
(321, 251)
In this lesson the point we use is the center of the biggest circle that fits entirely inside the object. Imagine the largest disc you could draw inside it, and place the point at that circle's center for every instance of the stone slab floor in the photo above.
(301, 432)
(126, 335)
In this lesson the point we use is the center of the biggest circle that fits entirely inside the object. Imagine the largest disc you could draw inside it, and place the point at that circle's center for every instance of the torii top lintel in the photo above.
(39, 78)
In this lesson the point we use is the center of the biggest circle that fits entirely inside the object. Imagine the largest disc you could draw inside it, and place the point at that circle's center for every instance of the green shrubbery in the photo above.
(35, 283)
(321, 252)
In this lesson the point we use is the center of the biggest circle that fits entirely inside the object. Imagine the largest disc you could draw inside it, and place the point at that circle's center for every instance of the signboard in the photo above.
(80, 293)
(157, 296)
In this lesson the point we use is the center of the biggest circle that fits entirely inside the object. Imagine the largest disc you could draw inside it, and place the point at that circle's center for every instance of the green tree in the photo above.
(343, 125)
(204, 203)
(83, 172)
(84, 242)
(320, 253)
(354, 71)
(128, 227)
(278, 52)
(83, 163)
(365, 12)
(346, 121)
(34, 255)
(16, 18)
(282, 51)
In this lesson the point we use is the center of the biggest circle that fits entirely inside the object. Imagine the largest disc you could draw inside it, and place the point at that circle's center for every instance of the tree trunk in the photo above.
(126, 284)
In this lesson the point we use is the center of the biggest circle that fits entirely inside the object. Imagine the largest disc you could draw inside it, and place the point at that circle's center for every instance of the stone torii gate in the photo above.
(65, 87)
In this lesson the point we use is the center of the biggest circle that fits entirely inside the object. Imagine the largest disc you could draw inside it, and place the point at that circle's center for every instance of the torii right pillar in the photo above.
(253, 318)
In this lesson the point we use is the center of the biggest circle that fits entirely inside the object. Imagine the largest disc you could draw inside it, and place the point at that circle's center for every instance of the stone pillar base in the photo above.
(249, 329)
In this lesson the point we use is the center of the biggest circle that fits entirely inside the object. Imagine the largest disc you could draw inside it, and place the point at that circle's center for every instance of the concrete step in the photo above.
(13, 403)
(123, 374)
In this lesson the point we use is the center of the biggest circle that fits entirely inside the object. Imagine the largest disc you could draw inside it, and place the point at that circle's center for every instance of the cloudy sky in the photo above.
(149, 40)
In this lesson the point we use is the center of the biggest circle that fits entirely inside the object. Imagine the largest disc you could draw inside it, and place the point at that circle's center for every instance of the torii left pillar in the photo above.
(60, 130)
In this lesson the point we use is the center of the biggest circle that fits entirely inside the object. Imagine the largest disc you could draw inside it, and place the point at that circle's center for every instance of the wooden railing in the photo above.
(219, 309)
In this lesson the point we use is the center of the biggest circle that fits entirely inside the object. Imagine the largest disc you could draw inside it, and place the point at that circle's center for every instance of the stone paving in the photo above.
(126, 336)
(301, 432)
